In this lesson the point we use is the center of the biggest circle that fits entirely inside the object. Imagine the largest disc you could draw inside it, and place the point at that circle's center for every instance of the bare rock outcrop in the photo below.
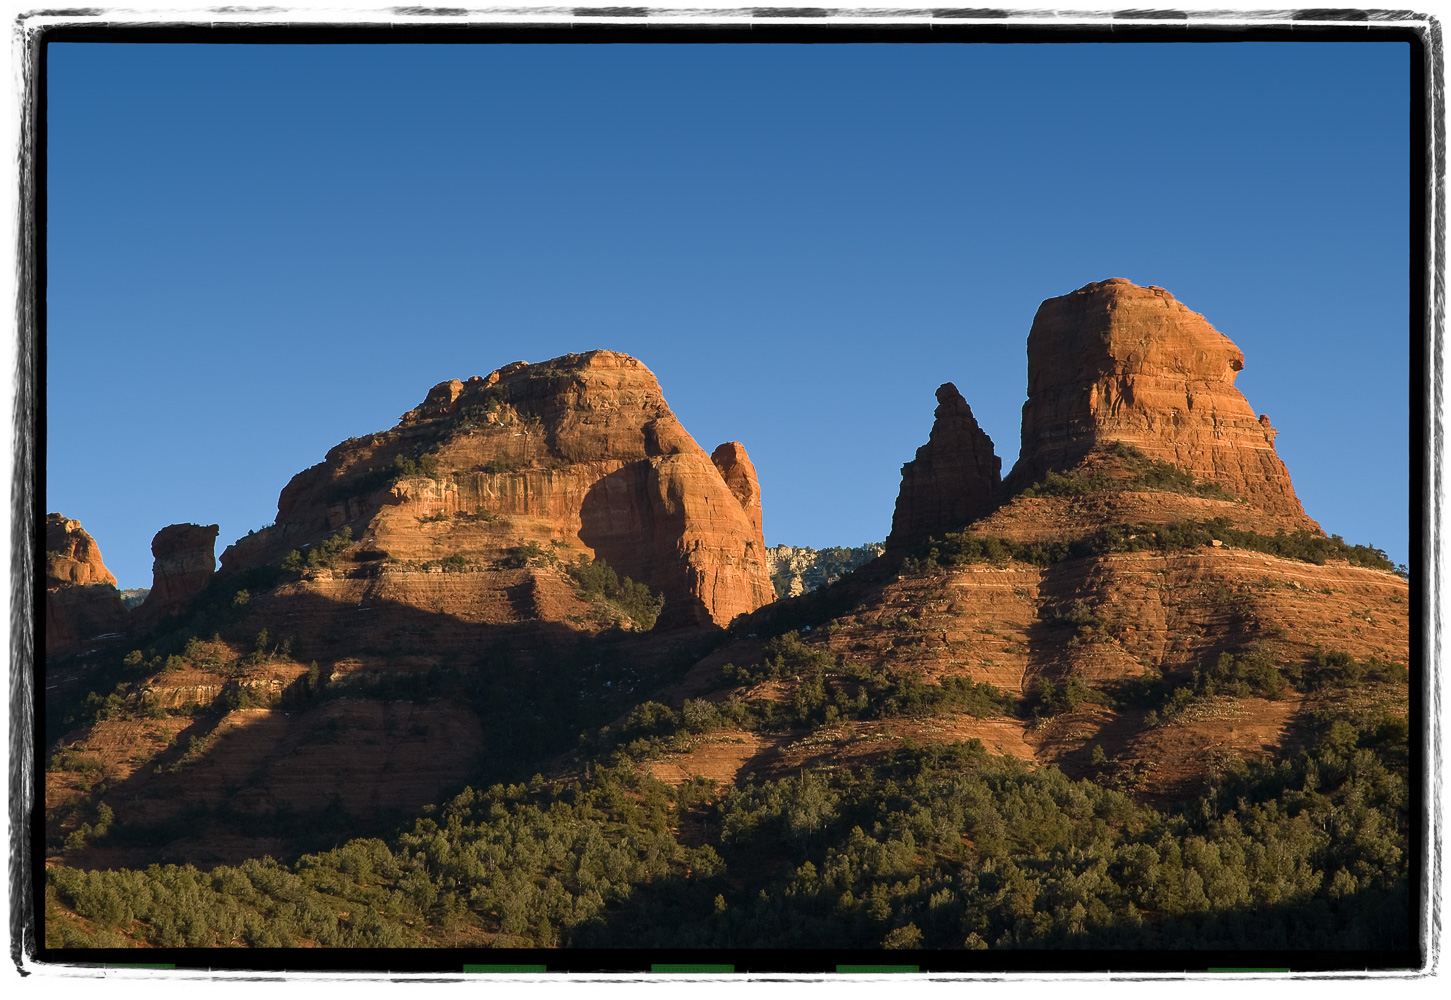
(184, 559)
(952, 480)
(739, 473)
(577, 456)
(81, 600)
(1114, 361)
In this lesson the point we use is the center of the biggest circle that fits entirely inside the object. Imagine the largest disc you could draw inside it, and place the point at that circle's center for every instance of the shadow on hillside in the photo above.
(616, 516)
(1355, 930)
(526, 691)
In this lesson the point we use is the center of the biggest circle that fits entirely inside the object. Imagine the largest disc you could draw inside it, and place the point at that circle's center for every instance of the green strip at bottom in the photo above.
(878, 968)
(689, 967)
(505, 968)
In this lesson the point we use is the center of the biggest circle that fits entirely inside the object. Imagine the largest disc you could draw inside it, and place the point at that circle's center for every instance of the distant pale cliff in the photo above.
(796, 571)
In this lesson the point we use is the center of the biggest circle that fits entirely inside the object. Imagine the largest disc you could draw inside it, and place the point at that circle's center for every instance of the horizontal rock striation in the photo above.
(577, 456)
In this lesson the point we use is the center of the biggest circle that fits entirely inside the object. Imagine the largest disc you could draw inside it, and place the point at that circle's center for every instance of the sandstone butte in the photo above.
(1110, 363)
(81, 600)
(183, 561)
(511, 476)
(1117, 362)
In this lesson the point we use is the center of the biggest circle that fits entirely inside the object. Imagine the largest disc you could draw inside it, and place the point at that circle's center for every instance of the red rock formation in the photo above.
(81, 600)
(71, 555)
(184, 560)
(739, 474)
(1117, 362)
(952, 480)
(579, 455)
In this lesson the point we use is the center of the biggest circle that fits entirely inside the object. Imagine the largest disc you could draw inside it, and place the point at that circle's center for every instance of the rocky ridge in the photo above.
(463, 518)
(1132, 424)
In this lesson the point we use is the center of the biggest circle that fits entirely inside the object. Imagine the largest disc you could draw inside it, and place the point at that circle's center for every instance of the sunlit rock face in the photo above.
(577, 456)
(1114, 361)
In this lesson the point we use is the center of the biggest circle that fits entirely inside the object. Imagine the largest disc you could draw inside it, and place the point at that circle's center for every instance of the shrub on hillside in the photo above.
(327, 553)
(597, 581)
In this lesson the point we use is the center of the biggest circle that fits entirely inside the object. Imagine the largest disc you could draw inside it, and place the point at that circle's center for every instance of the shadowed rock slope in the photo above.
(184, 559)
(445, 569)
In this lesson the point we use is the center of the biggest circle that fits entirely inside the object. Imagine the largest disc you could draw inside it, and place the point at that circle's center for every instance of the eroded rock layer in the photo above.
(1114, 361)
(532, 467)
(953, 478)
(81, 600)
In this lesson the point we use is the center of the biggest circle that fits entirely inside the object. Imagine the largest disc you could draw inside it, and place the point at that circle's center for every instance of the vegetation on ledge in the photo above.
(965, 548)
(1140, 472)
(618, 597)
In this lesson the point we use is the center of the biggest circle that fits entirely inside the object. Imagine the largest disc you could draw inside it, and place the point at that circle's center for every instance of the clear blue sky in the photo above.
(257, 251)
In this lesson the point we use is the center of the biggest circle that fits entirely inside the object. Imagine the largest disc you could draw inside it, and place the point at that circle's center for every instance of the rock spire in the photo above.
(952, 480)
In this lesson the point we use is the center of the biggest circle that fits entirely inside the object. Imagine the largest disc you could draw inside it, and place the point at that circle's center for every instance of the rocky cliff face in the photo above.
(81, 600)
(953, 478)
(1117, 362)
(184, 559)
(465, 513)
(578, 456)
